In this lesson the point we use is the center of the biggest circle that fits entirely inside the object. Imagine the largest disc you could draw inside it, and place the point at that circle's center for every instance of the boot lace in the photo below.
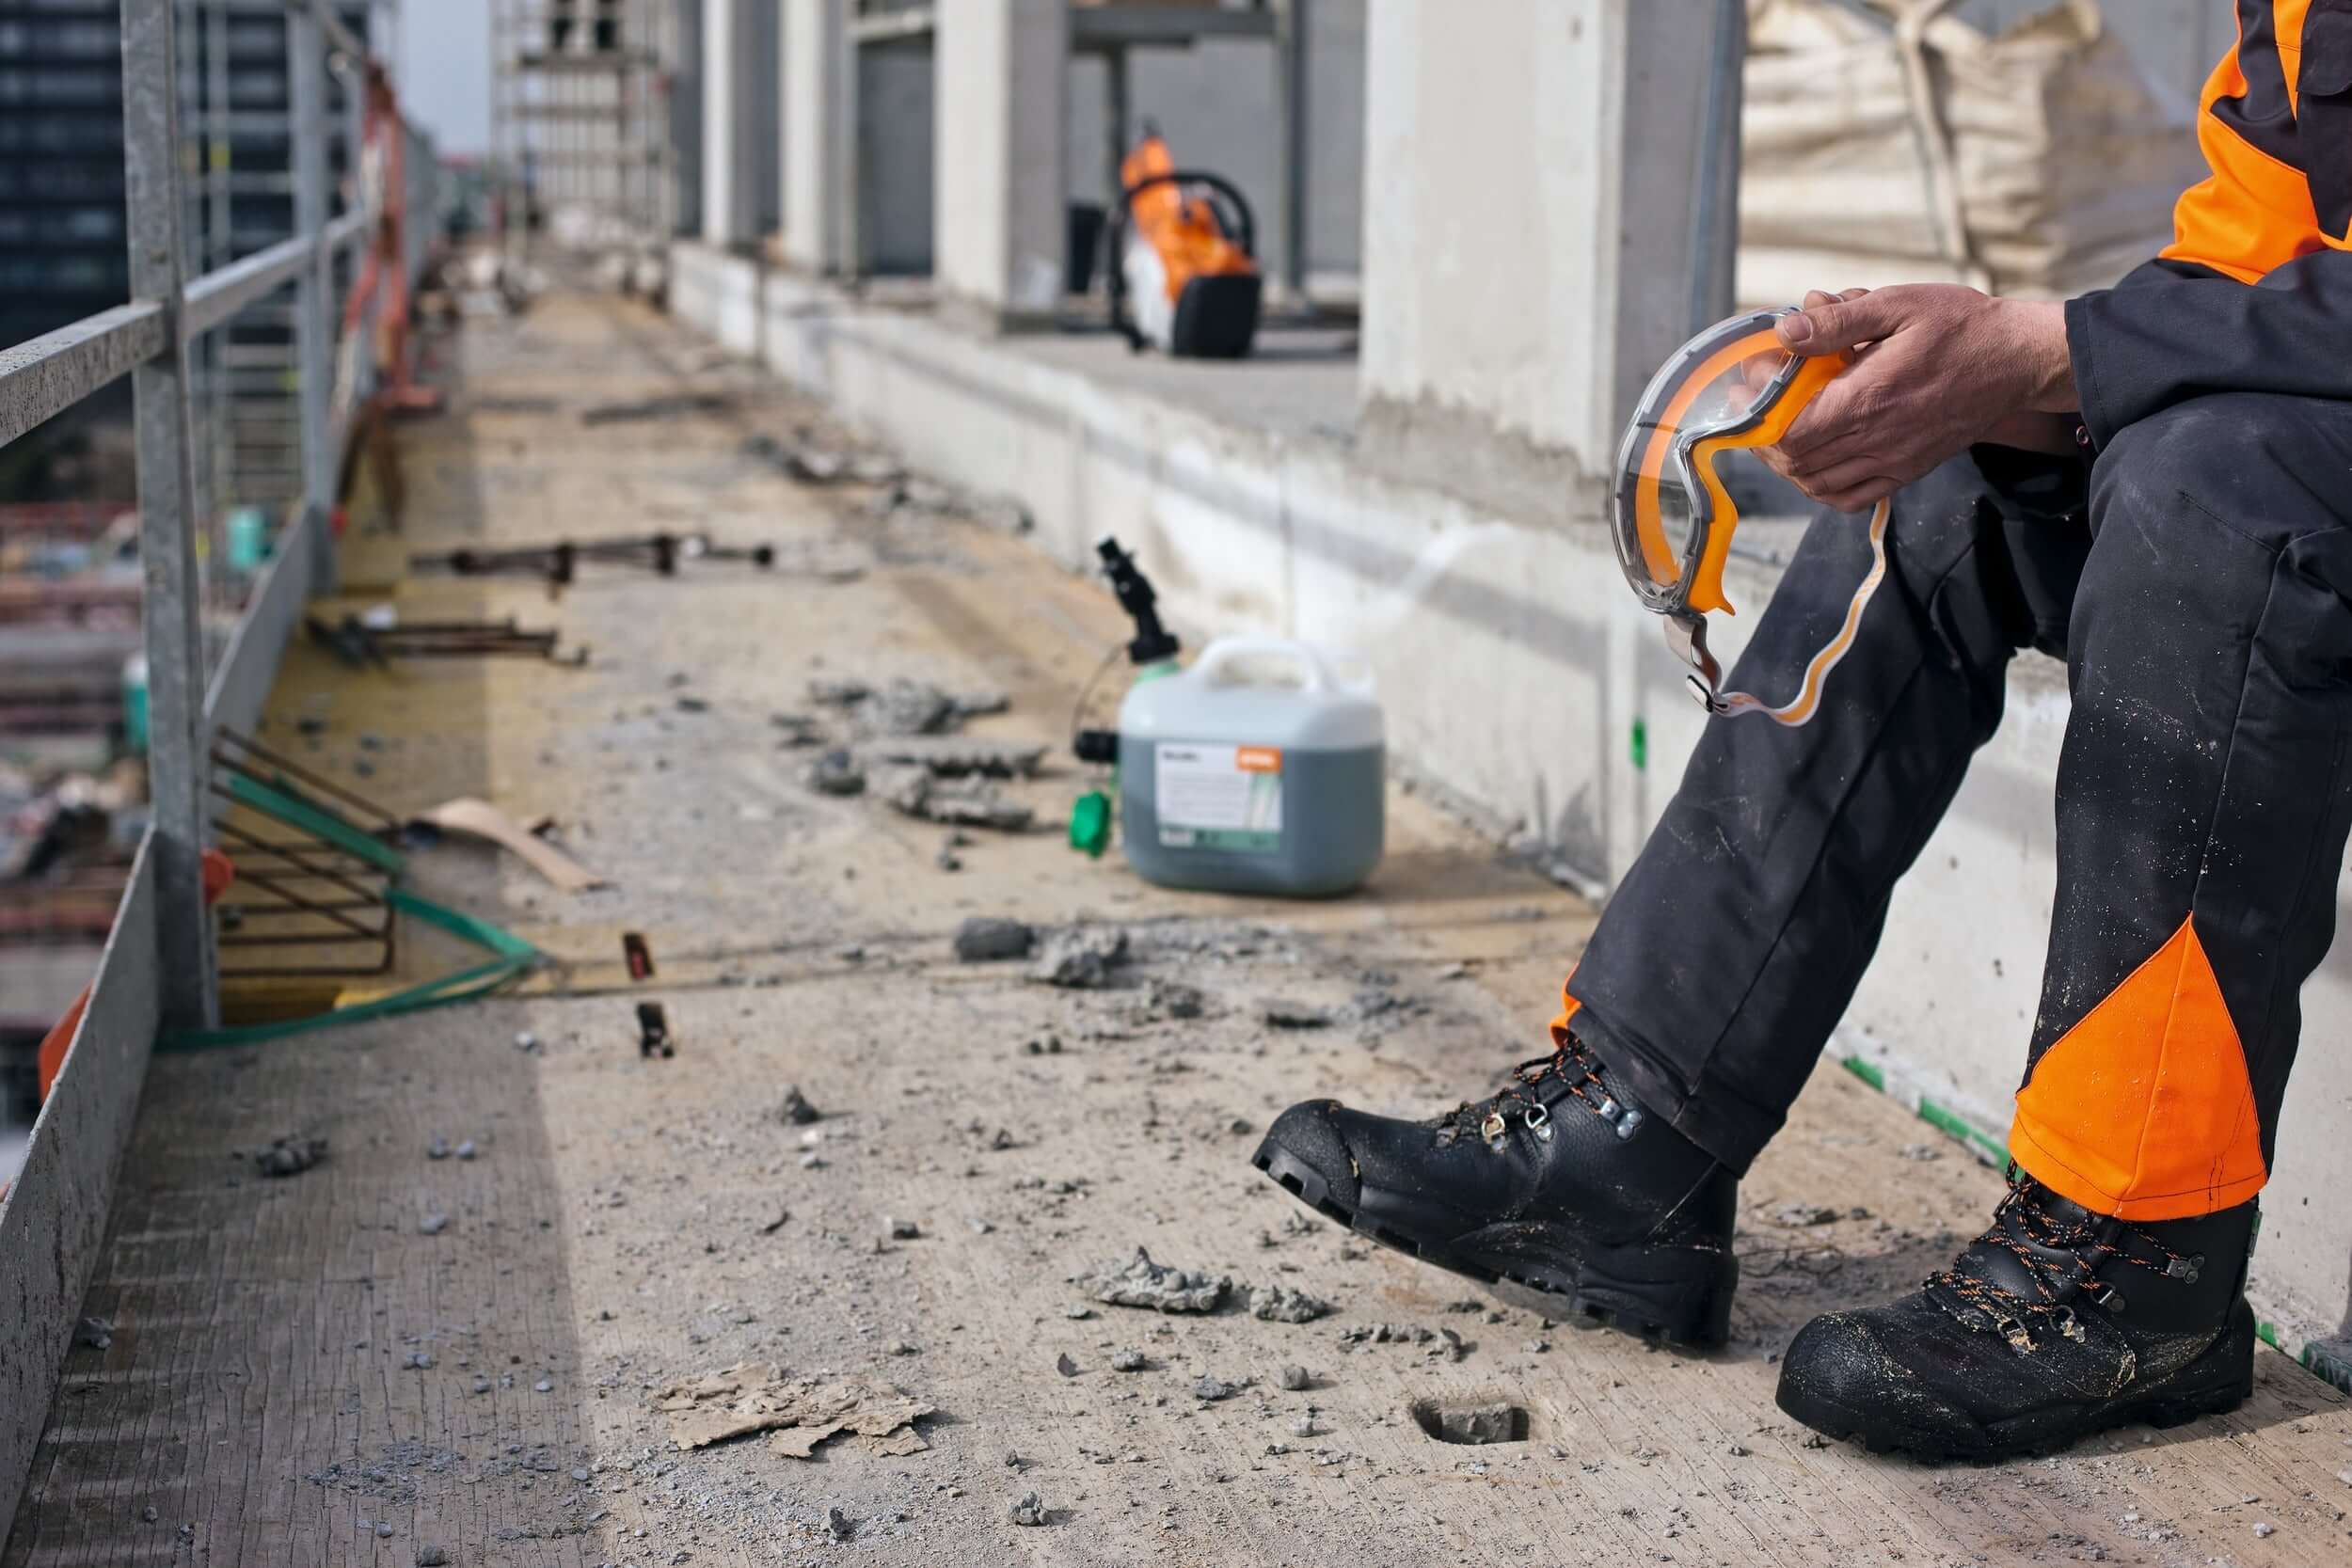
(1577, 1071)
(2023, 1228)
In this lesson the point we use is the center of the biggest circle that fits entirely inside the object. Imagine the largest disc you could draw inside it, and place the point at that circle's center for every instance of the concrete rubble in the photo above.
(837, 773)
(1080, 957)
(966, 802)
(902, 707)
(1282, 1304)
(956, 756)
(289, 1155)
(798, 1412)
(986, 939)
(1138, 1281)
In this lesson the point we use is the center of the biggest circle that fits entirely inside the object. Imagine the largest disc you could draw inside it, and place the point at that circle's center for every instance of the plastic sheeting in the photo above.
(1887, 142)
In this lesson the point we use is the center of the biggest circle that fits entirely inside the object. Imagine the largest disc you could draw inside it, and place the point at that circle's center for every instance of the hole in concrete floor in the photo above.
(1473, 1420)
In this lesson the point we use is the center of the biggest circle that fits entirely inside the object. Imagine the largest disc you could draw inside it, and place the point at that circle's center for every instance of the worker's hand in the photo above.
(1936, 367)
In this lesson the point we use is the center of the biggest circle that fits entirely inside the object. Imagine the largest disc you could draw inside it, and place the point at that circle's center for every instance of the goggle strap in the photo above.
(1686, 634)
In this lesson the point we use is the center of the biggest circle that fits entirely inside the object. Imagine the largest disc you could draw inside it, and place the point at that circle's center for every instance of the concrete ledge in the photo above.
(1516, 671)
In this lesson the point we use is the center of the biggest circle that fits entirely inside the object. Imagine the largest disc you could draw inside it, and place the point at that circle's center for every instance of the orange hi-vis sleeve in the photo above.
(2143, 1110)
(2255, 212)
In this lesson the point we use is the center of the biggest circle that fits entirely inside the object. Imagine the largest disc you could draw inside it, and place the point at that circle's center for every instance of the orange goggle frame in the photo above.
(1683, 585)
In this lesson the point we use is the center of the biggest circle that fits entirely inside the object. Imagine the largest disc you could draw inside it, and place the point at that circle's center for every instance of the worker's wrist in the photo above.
(2038, 333)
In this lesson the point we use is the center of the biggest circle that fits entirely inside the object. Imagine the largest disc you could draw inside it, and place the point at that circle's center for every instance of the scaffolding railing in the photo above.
(157, 974)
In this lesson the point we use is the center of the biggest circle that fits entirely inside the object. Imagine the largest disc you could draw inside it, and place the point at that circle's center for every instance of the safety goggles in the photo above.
(1731, 388)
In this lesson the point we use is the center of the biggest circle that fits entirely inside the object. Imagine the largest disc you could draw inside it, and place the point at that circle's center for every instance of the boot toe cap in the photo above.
(1845, 1375)
(1307, 1151)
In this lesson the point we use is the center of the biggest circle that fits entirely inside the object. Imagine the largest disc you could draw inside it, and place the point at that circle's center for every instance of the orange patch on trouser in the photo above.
(1568, 1005)
(2143, 1109)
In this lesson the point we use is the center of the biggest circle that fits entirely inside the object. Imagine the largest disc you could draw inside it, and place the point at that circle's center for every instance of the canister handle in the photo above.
(1305, 655)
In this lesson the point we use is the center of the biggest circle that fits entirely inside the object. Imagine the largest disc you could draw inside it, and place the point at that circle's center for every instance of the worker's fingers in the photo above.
(1857, 317)
(1849, 486)
(1844, 416)
(1777, 459)
(1862, 498)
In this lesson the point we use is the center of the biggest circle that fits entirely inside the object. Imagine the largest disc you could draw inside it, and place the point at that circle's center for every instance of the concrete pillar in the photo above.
(1001, 234)
(1529, 249)
(819, 135)
(732, 79)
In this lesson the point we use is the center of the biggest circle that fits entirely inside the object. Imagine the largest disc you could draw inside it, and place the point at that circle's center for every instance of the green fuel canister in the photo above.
(1232, 780)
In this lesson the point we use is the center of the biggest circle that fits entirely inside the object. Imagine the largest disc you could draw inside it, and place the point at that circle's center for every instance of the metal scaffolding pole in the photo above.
(314, 285)
(167, 522)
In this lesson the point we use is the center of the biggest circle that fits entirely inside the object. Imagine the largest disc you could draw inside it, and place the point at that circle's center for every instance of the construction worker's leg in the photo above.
(1605, 1177)
(2203, 796)
(1731, 948)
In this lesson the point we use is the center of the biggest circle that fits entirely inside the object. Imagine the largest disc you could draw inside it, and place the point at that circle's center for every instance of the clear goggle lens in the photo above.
(1722, 383)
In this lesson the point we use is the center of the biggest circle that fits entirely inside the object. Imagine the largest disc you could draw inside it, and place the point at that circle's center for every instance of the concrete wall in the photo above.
(742, 189)
(1000, 221)
(1528, 263)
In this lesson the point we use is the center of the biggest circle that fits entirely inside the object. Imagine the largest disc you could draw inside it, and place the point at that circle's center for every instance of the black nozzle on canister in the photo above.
(1153, 642)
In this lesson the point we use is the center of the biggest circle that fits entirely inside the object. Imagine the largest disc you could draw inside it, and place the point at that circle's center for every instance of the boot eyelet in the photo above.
(1628, 1122)
(1538, 1119)
(1608, 1107)
(2107, 1296)
(1492, 1129)
(2185, 1268)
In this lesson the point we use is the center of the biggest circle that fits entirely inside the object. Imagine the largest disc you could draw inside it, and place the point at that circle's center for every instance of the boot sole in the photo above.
(2215, 1383)
(1682, 1294)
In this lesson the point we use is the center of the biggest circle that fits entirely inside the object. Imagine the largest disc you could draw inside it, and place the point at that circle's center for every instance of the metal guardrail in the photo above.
(157, 974)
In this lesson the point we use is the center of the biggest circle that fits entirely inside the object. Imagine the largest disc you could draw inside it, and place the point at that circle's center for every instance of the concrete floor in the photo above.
(629, 1224)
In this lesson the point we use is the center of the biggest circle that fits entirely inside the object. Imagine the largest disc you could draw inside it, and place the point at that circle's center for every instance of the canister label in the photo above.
(1218, 797)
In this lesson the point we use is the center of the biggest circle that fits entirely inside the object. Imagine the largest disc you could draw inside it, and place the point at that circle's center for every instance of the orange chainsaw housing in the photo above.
(1205, 269)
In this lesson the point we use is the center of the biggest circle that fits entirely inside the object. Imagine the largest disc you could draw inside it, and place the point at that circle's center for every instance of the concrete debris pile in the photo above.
(989, 939)
(1282, 1304)
(808, 457)
(798, 1413)
(923, 498)
(1138, 1281)
(1080, 957)
(951, 756)
(969, 802)
(289, 1156)
(1438, 1344)
(903, 746)
(901, 706)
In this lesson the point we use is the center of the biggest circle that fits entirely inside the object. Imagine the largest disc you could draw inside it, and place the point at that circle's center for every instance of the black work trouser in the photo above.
(2202, 595)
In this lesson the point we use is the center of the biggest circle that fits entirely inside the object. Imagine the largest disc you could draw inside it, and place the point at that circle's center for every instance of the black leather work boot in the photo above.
(2055, 1324)
(1561, 1185)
